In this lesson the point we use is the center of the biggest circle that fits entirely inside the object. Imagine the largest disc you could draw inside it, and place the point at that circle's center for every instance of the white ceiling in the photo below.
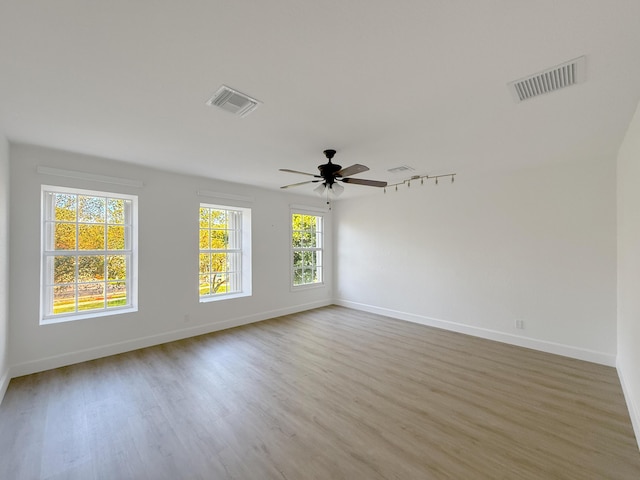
(386, 83)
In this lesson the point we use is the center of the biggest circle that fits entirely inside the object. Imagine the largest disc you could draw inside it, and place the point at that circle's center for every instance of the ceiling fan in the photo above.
(331, 173)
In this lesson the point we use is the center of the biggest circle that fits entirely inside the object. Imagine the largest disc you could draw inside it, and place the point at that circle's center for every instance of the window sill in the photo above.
(307, 286)
(220, 297)
(84, 316)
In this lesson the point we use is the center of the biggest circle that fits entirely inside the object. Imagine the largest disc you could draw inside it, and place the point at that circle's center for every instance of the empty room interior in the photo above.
(320, 240)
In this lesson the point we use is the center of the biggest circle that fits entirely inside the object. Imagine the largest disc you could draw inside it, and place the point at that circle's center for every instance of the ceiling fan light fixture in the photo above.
(320, 189)
(337, 189)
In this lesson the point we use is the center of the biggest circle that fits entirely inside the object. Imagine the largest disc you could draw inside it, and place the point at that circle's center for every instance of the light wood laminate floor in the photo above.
(331, 393)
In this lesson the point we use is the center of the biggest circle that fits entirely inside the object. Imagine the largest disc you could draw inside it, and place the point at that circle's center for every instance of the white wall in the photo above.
(629, 269)
(537, 245)
(168, 265)
(4, 265)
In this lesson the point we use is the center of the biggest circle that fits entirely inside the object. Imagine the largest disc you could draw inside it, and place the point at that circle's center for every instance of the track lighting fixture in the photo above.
(422, 179)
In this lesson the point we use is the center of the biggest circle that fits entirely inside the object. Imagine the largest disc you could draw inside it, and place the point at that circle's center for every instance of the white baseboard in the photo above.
(631, 405)
(542, 345)
(78, 356)
(4, 383)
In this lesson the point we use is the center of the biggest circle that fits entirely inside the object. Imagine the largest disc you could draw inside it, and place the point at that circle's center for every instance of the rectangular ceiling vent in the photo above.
(400, 169)
(234, 101)
(550, 80)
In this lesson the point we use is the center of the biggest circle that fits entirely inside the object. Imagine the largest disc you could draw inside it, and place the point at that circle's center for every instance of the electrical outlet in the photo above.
(187, 318)
(520, 324)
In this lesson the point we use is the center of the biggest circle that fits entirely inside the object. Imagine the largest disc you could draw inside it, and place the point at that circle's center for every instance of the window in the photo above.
(225, 252)
(306, 243)
(89, 254)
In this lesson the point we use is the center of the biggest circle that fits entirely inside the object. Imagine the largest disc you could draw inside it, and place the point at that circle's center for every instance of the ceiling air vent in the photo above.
(550, 80)
(234, 101)
(400, 169)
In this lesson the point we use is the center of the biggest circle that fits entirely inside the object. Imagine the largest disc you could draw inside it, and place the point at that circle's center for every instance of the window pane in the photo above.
(310, 239)
(64, 269)
(309, 222)
(308, 275)
(90, 268)
(205, 285)
(218, 218)
(309, 258)
(115, 211)
(233, 283)
(233, 262)
(65, 236)
(117, 267)
(91, 209)
(204, 217)
(219, 239)
(204, 239)
(64, 207)
(234, 220)
(116, 294)
(219, 283)
(205, 263)
(234, 239)
(115, 237)
(90, 237)
(64, 298)
(91, 296)
(218, 262)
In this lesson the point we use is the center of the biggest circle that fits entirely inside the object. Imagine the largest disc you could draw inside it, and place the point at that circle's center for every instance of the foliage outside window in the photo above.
(224, 261)
(306, 249)
(88, 254)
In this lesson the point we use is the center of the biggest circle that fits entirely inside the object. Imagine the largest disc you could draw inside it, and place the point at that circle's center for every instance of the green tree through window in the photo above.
(306, 242)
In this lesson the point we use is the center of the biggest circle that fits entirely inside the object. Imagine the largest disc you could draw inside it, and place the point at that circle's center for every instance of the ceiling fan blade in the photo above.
(352, 170)
(362, 181)
(301, 173)
(300, 183)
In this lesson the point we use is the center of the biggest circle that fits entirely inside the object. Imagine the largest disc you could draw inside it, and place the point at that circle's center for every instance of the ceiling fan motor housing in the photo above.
(328, 170)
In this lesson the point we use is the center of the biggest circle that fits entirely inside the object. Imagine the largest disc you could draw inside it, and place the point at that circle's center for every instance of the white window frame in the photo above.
(243, 250)
(318, 249)
(48, 253)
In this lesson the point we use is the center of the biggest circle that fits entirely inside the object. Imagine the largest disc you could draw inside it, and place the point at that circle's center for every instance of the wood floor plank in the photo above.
(331, 393)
